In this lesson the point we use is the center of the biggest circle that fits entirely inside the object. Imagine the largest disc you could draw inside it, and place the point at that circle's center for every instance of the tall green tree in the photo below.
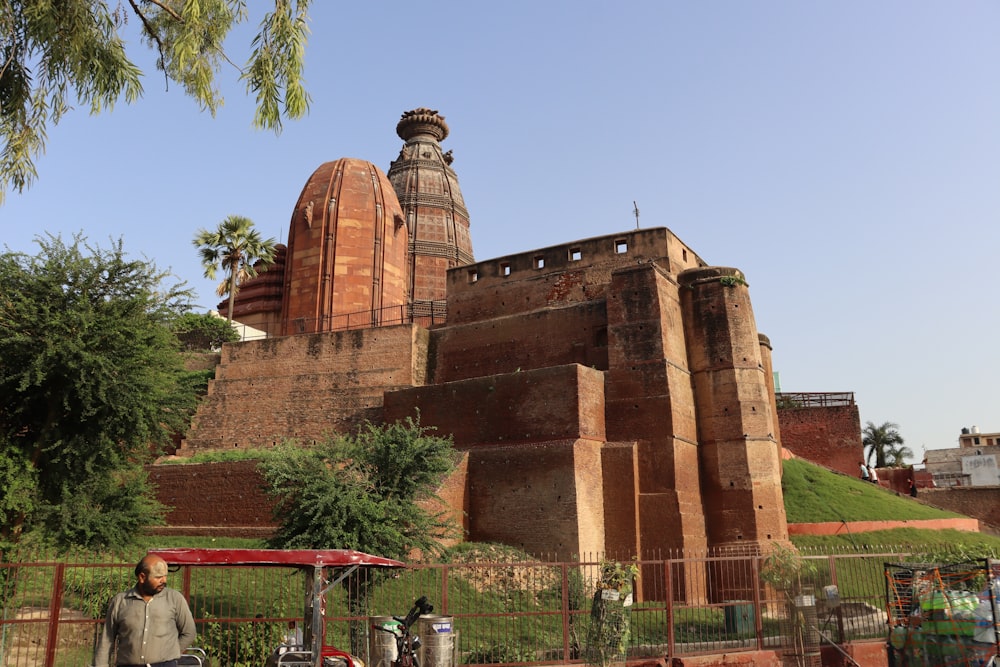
(884, 443)
(54, 55)
(367, 492)
(91, 385)
(235, 247)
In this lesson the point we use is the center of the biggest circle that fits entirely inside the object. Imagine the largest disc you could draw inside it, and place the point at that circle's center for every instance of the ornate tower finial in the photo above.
(436, 218)
(422, 122)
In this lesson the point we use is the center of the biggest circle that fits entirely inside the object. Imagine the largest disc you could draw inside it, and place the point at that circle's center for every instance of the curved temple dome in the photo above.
(346, 264)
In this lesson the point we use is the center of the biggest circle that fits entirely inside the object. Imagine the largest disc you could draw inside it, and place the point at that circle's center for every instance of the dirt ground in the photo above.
(24, 641)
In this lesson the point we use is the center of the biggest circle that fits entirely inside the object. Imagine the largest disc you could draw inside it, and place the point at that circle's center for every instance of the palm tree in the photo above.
(236, 247)
(897, 455)
(884, 442)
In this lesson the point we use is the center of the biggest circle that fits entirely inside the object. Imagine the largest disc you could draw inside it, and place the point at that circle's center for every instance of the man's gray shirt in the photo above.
(145, 632)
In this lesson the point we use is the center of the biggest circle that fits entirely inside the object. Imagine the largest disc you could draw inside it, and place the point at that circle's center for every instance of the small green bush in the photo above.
(241, 644)
(90, 590)
(609, 632)
(503, 651)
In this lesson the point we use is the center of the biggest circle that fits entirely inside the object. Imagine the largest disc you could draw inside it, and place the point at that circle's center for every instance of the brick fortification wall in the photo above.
(201, 361)
(227, 499)
(305, 387)
(608, 395)
(627, 456)
(217, 499)
(981, 503)
(532, 441)
(830, 436)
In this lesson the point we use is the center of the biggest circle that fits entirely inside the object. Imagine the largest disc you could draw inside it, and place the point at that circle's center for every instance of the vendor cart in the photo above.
(943, 614)
(322, 569)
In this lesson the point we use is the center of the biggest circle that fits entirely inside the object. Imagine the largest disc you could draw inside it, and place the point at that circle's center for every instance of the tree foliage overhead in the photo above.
(365, 492)
(54, 54)
(91, 382)
(235, 247)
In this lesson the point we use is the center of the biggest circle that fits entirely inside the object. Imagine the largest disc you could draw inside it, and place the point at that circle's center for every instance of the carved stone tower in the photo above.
(435, 213)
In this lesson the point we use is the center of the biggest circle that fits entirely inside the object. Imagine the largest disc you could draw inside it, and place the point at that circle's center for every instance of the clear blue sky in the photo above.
(844, 155)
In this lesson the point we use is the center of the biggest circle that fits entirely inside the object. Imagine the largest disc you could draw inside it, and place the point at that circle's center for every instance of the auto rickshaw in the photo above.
(323, 569)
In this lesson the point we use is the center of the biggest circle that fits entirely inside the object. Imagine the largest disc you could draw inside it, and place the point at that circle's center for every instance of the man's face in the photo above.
(155, 581)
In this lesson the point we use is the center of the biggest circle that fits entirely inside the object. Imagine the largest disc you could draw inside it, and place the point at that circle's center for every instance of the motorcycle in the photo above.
(406, 642)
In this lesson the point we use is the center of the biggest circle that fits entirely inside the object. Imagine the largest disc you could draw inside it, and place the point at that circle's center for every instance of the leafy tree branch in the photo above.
(56, 54)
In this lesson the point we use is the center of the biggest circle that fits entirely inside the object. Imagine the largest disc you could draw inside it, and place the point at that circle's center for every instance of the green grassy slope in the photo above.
(814, 494)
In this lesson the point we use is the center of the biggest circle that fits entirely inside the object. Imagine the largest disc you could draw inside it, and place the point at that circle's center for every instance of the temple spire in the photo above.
(435, 213)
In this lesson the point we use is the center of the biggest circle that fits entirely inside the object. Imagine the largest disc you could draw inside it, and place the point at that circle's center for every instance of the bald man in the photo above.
(150, 624)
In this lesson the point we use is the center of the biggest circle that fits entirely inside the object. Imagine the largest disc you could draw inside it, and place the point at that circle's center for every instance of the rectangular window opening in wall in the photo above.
(504, 269)
(539, 262)
(621, 246)
(601, 337)
(473, 275)
(575, 255)
(684, 255)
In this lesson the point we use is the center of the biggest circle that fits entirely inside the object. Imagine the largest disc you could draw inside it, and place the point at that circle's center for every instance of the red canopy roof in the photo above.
(278, 557)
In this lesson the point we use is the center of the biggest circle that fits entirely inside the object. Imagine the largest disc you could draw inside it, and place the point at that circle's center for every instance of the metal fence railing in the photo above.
(789, 400)
(509, 613)
(427, 313)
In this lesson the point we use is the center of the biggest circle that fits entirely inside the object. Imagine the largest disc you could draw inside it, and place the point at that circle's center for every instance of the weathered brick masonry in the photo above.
(982, 503)
(830, 436)
(533, 441)
(216, 499)
(347, 248)
(556, 368)
(227, 498)
(304, 387)
(741, 476)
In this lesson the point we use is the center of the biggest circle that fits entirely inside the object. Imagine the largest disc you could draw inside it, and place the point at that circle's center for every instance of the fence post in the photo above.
(186, 583)
(669, 588)
(565, 606)
(444, 589)
(758, 622)
(55, 604)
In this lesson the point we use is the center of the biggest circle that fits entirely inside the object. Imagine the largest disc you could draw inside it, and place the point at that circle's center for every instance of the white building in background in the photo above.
(245, 332)
(973, 463)
(973, 438)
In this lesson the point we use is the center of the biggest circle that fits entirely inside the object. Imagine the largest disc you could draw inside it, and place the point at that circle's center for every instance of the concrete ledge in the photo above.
(837, 527)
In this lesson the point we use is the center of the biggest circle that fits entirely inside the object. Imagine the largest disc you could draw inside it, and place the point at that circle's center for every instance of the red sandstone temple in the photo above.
(609, 395)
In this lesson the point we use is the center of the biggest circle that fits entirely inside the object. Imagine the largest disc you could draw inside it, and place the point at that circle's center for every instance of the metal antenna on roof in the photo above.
(635, 210)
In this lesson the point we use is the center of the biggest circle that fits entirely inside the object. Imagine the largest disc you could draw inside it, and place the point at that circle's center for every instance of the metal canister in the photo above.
(382, 641)
(437, 641)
